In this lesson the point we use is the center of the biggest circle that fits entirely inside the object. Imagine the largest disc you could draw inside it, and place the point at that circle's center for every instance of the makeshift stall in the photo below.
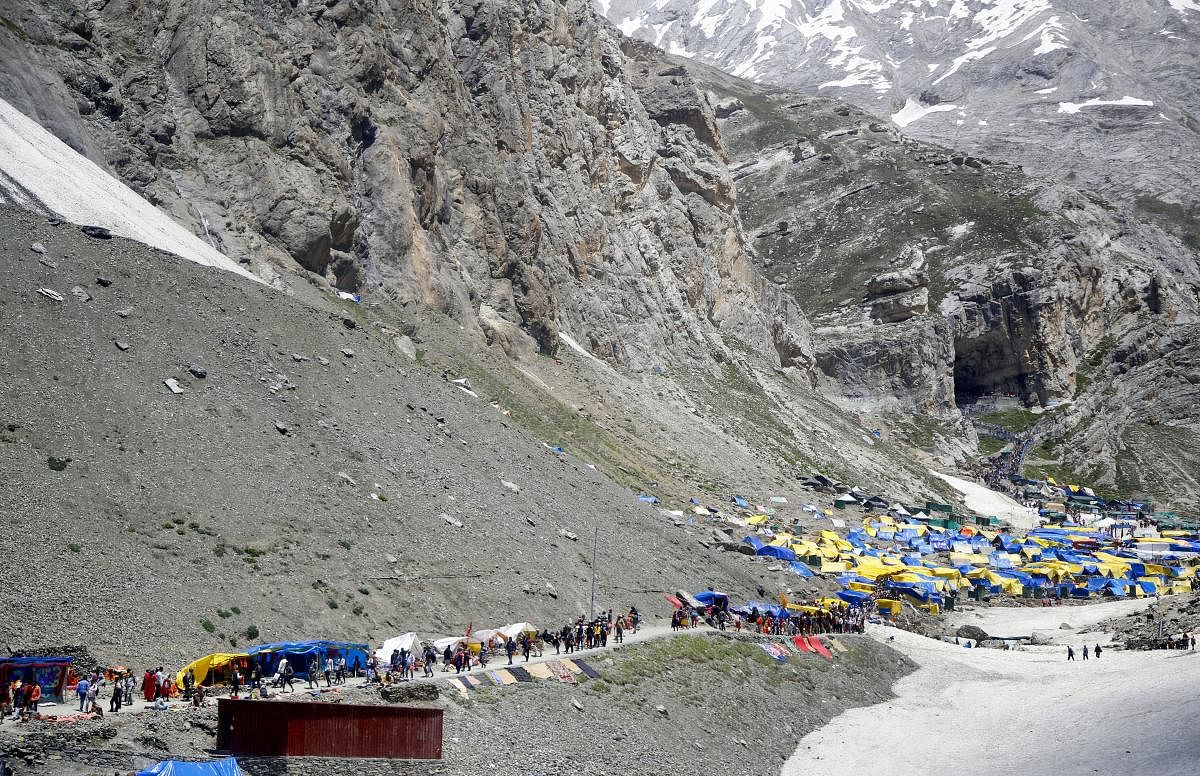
(49, 672)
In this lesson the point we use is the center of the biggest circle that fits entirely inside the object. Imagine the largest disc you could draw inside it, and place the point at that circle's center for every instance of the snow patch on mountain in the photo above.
(1075, 107)
(915, 111)
(39, 172)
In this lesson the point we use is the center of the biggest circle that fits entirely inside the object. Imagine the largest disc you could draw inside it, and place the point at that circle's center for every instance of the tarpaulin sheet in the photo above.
(224, 767)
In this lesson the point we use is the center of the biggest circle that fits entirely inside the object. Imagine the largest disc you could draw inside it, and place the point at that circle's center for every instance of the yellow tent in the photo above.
(207, 664)
(756, 519)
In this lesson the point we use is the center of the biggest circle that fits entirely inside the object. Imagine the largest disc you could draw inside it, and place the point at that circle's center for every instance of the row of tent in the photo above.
(211, 669)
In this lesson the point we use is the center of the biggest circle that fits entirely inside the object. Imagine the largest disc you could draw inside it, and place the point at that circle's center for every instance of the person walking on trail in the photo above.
(328, 671)
(82, 689)
(114, 704)
(1097, 651)
(430, 659)
(1085, 651)
(286, 672)
(618, 632)
(314, 672)
(1070, 653)
(510, 647)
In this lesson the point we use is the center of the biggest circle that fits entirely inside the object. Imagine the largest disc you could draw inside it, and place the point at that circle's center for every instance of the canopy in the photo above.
(202, 667)
(225, 767)
(403, 642)
(299, 653)
(713, 598)
(783, 553)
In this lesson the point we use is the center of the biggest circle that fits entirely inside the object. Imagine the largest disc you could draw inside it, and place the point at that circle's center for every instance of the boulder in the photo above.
(973, 632)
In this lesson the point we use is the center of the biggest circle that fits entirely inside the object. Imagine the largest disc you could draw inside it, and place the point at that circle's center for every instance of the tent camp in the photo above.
(49, 672)
(210, 669)
(713, 598)
(224, 767)
(298, 653)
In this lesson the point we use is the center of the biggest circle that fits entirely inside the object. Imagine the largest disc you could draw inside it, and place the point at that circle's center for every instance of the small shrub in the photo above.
(208, 626)
(57, 464)
(168, 526)
(345, 545)
(219, 550)
(358, 609)
(332, 603)
(251, 632)
(254, 552)
(235, 610)
(74, 547)
(364, 591)
(194, 525)
(177, 520)
(224, 615)
(233, 641)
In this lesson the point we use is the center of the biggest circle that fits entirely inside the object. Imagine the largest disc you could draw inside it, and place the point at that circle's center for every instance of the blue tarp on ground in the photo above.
(739, 501)
(225, 767)
(783, 553)
(754, 542)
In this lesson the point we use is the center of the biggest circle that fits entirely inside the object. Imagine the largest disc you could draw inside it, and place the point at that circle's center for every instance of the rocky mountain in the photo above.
(1100, 93)
(933, 278)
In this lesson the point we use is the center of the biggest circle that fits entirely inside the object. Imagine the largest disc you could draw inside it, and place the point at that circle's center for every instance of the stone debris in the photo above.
(283, 428)
(173, 384)
(514, 487)
(98, 232)
(451, 520)
(198, 371)
(122, 345)
(347, 352)
(564, 533)
(343, 476)
(124, 313)
(80, 293)
(50, 293)
(37, 248)
(103, 282)
(299, 358)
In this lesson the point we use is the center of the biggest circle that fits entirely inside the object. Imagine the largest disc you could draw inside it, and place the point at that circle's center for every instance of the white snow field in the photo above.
(986, 501)
(40, 172)
(990, 712)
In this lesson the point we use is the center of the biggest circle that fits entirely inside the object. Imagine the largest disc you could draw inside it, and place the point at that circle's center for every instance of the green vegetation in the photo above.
(208, 626)
(345, 545)
(991, 445)
(358, 610)
(57, 464)
(251, 632)
(219, 550)
(224, 614)
(74, 547)
(332, 603)
(1016, 420)
(235, 610)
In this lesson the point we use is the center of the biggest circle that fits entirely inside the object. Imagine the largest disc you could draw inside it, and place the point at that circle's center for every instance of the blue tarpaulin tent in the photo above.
(800, 568)
(754, 542)
(713, 598)
(783, 553)
(225, 767)
(299, 653)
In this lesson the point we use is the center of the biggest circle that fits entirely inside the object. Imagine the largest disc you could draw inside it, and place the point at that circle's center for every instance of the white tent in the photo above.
(516, 629)
(450, 641)
(405, 641)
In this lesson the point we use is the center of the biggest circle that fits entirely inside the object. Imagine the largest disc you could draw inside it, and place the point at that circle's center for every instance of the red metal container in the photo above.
(298, 729)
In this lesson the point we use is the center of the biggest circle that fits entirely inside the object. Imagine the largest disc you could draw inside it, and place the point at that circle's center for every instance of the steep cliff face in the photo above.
(504, 163)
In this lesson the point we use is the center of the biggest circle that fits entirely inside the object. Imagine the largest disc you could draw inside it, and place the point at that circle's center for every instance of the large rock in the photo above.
(973, 632)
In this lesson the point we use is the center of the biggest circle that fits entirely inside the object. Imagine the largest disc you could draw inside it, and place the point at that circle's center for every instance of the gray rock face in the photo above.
(508, 164)
(1047, 83)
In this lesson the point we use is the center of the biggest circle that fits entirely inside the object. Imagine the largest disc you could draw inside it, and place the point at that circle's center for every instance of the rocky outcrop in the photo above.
(506, 163)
